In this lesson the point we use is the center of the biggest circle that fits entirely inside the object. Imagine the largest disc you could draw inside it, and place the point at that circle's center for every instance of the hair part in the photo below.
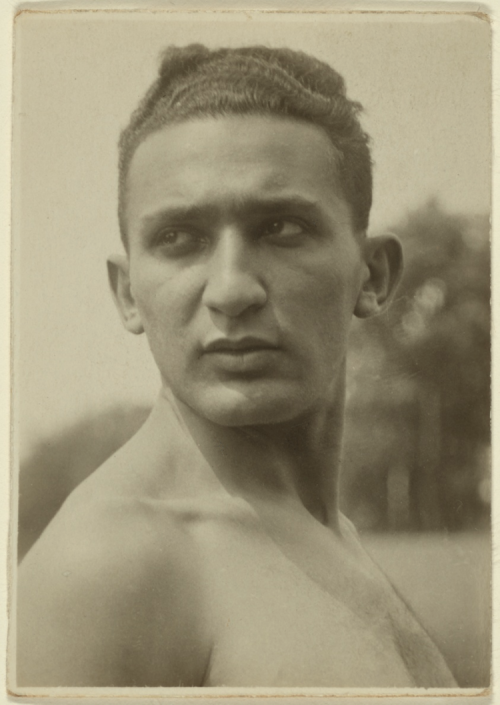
(195, 82)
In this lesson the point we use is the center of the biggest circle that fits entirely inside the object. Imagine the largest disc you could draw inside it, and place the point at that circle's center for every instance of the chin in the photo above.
(233, 408)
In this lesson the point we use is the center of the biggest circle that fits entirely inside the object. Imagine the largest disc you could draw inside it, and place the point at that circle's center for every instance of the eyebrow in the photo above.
(243, 206)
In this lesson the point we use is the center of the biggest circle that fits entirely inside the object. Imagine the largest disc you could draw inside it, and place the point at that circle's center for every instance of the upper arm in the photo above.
(104, 600)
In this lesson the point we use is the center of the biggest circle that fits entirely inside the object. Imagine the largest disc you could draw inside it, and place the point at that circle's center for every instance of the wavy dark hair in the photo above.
(195, 81)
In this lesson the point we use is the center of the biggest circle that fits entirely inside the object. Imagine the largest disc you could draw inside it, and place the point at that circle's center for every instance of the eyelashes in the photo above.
(282, 228)
(178, 241)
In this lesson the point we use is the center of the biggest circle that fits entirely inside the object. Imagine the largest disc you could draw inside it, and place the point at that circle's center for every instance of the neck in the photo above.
(297, 462)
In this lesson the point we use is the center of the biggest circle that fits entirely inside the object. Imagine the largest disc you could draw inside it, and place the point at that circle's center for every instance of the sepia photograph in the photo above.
(251, 334)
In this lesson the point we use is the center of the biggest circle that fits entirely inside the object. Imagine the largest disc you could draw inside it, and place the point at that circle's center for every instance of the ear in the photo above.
(119, 279)
(383, 270)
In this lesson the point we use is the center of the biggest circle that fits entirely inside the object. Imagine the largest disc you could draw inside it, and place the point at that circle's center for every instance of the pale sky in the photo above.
(425, 86)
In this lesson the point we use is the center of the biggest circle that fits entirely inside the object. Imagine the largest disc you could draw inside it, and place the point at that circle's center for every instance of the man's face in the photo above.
(243, 264)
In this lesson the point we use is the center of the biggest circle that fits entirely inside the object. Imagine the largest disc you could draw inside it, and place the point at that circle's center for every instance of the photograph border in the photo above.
(8, 488)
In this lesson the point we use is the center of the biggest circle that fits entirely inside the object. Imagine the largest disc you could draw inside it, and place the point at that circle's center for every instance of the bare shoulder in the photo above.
(417, 649)
(107, 593)
(351, 537)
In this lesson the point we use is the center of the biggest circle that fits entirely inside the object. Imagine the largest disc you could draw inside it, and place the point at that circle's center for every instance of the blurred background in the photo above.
(416, 470)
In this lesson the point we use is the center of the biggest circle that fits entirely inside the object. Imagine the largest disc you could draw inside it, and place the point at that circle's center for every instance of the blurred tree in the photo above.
(422, 369)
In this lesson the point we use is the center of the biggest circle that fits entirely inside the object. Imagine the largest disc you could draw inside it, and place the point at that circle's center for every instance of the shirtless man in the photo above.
(209, 550)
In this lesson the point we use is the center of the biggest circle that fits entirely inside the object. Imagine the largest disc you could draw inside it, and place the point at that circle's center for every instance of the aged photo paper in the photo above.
(280, 483)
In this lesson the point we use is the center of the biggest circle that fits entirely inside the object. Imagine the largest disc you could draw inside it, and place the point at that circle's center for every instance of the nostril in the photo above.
(233, 295)
(234, 281)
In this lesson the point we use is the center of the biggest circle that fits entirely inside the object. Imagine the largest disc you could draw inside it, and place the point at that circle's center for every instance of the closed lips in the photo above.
(238, 346)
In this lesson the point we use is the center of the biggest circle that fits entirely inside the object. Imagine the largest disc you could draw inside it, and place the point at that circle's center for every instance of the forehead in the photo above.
(228, 160)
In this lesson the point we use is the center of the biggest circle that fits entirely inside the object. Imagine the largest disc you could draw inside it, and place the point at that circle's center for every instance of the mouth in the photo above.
(239, 346)
(247, 356)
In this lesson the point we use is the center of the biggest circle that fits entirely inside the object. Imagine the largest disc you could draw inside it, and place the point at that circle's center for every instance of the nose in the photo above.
(234, 285)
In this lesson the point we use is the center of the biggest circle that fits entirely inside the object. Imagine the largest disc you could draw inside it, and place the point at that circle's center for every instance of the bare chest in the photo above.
(278, 620)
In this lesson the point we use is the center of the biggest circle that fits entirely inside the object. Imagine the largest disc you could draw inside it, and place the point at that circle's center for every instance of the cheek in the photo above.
(325, 290)
(320, 309)
(166, 301)
(151, 293)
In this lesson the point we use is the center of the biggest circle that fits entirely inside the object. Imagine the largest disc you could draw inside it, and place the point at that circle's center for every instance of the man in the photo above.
(210, 551)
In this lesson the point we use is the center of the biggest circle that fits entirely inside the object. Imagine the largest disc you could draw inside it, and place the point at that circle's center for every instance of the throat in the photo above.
(295, 465)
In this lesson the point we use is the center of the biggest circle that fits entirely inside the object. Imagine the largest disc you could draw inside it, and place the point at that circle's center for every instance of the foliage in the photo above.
(420, 384)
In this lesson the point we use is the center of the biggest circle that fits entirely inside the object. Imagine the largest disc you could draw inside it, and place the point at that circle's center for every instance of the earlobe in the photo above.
(383, 270)
(119, 280)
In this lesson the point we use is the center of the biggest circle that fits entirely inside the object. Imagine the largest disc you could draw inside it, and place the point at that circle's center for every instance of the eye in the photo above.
(284, 231)
(177, 242)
